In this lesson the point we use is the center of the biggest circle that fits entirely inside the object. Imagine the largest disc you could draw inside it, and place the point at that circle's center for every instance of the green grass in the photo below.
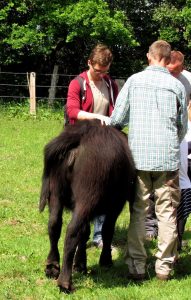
(23, 230)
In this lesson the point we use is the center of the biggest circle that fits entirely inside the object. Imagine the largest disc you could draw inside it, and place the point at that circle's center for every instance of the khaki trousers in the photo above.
(166, 187)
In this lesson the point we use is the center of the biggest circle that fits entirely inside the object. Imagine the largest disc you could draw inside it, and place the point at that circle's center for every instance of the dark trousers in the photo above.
(180, 226)
(151, 224)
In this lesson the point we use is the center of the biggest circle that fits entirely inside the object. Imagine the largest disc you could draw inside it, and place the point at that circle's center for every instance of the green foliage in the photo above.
(33, 27)
(21, 111)
(186, 13)
(39, 34)
(25, 35)
(174, 19)
(95, 19)
(170, 20)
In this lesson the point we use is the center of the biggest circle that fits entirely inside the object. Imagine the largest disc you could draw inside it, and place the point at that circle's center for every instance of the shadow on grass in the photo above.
(117, 275)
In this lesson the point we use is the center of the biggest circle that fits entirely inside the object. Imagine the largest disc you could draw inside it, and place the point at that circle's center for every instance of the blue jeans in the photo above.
(98, 223)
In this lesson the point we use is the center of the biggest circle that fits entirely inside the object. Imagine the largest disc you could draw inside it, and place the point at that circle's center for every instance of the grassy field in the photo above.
(23, 230)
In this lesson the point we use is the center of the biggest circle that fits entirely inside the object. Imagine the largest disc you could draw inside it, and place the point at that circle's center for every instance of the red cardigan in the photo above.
(74, 104)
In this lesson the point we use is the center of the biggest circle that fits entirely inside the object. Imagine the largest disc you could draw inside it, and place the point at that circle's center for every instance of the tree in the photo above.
(45, 35)
(173, 19)
(140, 15)
(34, 27)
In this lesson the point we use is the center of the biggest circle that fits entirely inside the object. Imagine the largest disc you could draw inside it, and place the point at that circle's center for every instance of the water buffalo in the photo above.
(89, 170)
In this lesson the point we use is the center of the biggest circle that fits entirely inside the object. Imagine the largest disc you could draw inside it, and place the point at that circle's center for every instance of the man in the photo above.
(100, 93)
(175, 67)
(153, 104)
(100, 90)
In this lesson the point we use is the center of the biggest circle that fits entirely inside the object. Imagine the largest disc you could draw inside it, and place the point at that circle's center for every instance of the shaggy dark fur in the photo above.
(88, 169)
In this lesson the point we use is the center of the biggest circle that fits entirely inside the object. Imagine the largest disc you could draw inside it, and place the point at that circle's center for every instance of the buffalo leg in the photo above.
(107, 236)
(74, 233)
(54, 230)
(80, 260)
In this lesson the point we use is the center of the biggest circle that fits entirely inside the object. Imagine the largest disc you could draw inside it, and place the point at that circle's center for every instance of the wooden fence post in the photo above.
(32, 92)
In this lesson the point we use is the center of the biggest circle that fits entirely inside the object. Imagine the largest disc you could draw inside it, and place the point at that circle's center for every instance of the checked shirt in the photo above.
(153, 105)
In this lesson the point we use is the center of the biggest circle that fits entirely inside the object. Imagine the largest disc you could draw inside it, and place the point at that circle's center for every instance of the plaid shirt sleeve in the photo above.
(120, 114)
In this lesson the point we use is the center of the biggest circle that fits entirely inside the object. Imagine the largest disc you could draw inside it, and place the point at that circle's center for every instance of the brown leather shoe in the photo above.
(162, 277)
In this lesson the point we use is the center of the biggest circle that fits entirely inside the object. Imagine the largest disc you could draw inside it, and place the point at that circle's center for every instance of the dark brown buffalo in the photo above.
(89, 170)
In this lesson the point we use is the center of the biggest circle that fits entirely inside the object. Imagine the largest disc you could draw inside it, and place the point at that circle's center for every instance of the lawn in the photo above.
(24, 241)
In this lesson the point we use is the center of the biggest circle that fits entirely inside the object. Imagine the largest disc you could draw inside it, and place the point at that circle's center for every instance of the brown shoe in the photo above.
(162, 277)
(137, 277)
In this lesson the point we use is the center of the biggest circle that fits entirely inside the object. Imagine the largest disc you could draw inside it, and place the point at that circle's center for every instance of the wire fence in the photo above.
(16, 86)
(39, 88)
(18, 82)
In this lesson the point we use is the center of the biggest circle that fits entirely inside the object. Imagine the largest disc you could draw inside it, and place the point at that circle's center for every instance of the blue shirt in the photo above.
(153, 105)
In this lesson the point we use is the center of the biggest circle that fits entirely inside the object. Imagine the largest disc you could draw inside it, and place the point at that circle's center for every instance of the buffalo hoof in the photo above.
(81, 268)
(66, 288)
(52, 270)
(105, 262)
(106, 265)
